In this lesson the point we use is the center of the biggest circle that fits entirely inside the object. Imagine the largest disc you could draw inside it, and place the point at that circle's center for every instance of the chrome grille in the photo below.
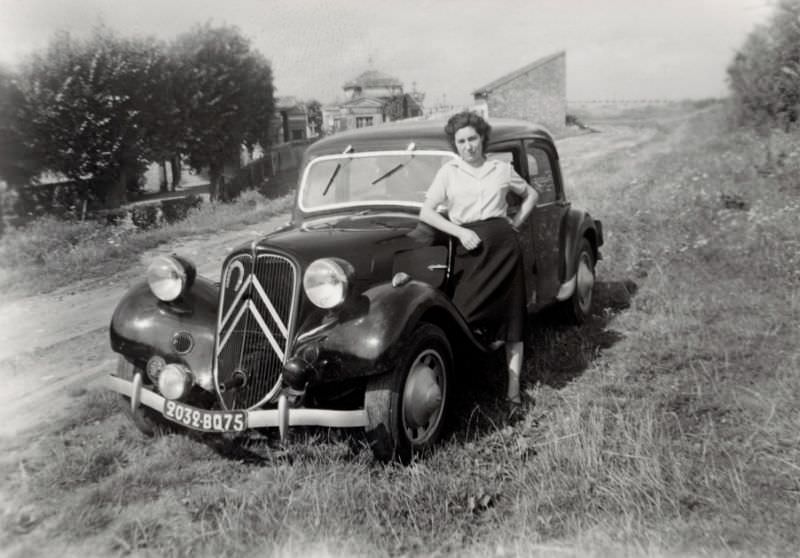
(255, 324)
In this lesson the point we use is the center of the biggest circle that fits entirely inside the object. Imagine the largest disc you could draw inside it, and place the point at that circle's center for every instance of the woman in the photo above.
(490, 283)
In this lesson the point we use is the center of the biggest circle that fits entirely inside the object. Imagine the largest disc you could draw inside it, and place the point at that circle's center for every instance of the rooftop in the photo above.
(489, 87)
(373, 78)
(425, 134)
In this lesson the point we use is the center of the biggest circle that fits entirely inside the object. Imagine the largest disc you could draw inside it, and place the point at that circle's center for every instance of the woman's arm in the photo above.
(428, 214)
(528, 203)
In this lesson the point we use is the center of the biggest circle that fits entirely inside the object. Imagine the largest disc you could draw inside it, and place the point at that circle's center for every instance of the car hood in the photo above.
(369, 242)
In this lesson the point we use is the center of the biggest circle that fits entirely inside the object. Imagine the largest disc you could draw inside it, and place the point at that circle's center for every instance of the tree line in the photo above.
(765, 73)
(99, 110)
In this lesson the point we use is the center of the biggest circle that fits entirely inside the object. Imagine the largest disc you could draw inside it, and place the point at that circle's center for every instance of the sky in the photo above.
(616, 49)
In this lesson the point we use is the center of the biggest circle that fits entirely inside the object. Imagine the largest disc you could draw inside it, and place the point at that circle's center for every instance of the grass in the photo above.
(667, 425)
(51, 253)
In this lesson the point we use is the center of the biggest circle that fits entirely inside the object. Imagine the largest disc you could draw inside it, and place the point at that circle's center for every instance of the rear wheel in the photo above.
(148, 421)
(406, 408)
(578, 307)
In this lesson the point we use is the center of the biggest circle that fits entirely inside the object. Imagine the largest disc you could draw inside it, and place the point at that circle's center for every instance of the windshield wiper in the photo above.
(388, 173)
(331, 179)
(411, 147)
(348, 149)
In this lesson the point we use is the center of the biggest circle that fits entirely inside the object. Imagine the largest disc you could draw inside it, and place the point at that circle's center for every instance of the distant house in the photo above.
(290, 122)
(536, 92)
(371, 98)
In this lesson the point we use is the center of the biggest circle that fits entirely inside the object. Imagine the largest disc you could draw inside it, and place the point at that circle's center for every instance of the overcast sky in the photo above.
(616, 49)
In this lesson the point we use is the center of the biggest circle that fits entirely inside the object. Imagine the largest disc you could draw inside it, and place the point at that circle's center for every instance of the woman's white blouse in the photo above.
(474, 193)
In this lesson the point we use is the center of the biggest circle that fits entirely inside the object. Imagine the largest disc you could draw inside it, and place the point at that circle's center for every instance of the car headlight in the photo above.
(327, 282)
(174, 381)
(169, 277)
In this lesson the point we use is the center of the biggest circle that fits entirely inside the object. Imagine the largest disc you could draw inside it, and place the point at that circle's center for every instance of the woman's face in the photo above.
(469, 144)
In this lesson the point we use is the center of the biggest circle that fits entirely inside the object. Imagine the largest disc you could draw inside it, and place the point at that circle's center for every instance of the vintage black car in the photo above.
(342, 318)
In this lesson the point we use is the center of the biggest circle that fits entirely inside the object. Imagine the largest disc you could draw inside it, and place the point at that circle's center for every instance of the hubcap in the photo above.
(585, 282)
(423, 397)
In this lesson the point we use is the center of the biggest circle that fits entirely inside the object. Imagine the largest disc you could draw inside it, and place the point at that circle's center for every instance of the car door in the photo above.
(512, 152)
(544, 174)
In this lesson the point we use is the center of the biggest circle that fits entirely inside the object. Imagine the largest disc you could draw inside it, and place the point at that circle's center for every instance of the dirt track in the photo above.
(54, 346)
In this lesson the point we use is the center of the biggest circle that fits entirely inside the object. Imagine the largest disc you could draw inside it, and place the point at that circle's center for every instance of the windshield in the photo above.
(397, 177)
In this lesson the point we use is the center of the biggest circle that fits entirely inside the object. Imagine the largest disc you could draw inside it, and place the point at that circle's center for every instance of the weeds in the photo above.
(51, 253)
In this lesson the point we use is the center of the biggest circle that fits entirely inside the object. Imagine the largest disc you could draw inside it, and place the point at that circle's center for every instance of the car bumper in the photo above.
(282, 418)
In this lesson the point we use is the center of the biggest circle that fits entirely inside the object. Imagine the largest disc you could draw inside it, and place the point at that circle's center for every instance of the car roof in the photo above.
(425, 134)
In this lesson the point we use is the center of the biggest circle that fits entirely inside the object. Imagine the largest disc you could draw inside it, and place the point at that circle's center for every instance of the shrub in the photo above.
(765, 73)
(113, 216)
(175, 210)
(145, 216)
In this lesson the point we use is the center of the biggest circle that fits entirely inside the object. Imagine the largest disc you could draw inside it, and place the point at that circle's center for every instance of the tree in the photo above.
(96, 109)
(314, 112)
(228, 101)
(765, 73)
(18, 163)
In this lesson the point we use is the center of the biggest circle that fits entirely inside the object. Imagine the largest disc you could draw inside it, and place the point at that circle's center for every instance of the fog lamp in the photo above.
(174, 381)
(154, 367)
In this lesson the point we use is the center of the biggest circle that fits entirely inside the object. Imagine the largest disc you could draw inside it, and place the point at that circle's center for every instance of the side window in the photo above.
(513, 158)
(541, 172)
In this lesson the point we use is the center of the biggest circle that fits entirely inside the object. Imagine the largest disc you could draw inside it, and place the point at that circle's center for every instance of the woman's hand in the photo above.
(513, 224)
(469, 239)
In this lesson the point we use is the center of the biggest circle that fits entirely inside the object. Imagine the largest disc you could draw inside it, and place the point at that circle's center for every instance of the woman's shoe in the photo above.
(515, 407)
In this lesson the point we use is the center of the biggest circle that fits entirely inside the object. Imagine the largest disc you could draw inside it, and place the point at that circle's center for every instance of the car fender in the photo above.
(143, 326)
(367, 339)
(576, 225)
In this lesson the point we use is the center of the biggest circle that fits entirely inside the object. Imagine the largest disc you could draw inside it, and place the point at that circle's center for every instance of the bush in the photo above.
(765, 73)
(175, 210)
(145, 216)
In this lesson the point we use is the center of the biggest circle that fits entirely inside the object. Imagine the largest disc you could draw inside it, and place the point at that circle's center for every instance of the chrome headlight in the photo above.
(174, 381)
(169, 277)
(327, 282)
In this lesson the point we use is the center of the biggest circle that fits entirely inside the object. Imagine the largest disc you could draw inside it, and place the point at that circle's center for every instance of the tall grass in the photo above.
(666, 425)
(50, 253)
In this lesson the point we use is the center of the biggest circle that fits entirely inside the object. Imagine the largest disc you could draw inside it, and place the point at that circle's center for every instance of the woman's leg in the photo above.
(514, 352)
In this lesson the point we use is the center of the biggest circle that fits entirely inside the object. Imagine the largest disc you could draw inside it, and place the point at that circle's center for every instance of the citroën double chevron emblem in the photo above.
(242, 304)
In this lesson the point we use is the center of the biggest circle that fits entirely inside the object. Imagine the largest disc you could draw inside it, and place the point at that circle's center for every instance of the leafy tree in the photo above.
(18, 163)
(765, 73)
(400, 106)
(314, 112)
(228, 98)
(96, 110)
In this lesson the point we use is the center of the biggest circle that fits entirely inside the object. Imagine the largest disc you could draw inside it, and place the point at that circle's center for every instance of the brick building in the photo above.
(290, 122)
(536, 92)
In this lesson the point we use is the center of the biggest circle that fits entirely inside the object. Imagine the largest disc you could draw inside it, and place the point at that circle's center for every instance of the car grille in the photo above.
(254, 328)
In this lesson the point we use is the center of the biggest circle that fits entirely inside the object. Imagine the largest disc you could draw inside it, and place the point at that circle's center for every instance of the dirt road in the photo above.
(54, 346)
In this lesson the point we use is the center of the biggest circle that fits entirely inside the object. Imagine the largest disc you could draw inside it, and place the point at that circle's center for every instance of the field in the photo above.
(668, 425)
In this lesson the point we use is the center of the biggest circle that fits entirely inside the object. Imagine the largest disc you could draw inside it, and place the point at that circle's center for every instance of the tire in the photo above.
(148, 421)
(396, 428)
(579, 306)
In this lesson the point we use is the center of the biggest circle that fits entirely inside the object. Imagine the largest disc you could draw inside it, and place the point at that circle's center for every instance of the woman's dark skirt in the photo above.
(490, 282)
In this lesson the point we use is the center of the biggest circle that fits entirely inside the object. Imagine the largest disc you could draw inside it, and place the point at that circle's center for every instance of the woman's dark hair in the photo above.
(464, 119)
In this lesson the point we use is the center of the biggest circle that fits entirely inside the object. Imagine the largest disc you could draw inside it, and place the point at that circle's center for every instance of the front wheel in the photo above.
(578, 307)
(406, 408)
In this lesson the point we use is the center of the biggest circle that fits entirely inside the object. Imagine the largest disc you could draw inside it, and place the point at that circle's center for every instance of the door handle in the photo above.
(437, 267)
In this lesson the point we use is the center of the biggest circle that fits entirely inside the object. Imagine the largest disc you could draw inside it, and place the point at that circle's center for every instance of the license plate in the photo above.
(207, 421)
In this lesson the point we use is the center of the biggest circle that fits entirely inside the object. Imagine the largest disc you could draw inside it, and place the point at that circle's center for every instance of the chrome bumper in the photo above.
(282, 418)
